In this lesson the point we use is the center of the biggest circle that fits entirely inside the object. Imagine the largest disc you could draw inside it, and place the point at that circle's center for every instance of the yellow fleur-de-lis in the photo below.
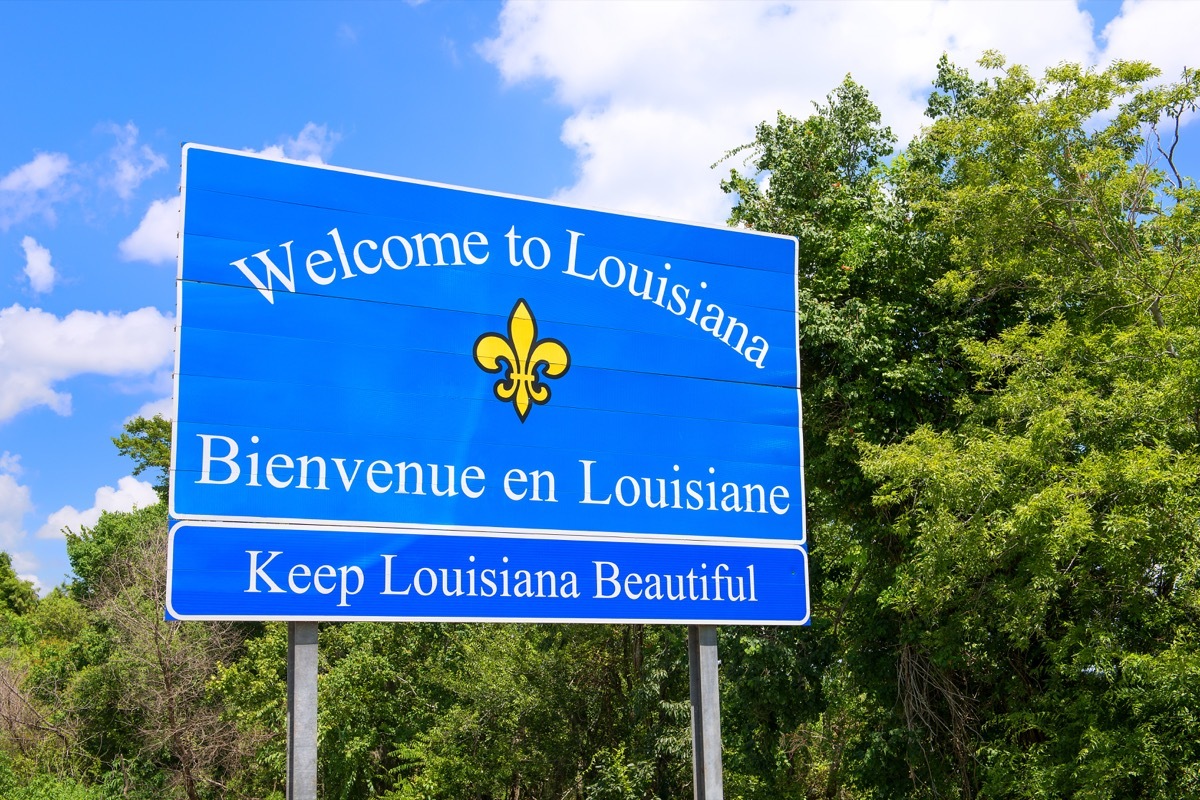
(520, 356)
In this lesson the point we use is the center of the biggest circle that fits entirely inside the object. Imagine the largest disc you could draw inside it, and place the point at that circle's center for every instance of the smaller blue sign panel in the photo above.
(251, 571)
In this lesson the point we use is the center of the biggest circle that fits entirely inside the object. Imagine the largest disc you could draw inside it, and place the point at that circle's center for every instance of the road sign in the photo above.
(304, 572)
(381, 374)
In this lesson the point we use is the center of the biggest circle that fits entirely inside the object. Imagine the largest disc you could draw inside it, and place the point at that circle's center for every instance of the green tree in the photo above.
(148, 443)
(97, 687)
(16, 595)
(998, 334)
(880, 356)
(1051, 549)
(478, 711)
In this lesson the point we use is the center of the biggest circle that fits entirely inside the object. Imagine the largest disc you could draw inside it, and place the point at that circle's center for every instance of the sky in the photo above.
(620, 105)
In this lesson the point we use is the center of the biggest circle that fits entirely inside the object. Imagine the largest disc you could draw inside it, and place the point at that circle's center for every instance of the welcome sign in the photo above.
(398, 400)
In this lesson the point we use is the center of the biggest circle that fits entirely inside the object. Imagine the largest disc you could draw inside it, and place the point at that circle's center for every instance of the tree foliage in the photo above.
(16, 595)
(999, 334)
(148, 443)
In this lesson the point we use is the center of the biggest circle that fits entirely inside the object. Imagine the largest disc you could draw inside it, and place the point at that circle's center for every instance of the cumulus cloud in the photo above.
(10, 463)
(131, 163)
(33, 188)
(660, 90)
(39, 350)
(313, 144)
(130, 493)
(156, 238)
(163, 407)
(39, 587)
(15, 503)
(38, 269)
(1159, 31)
(46, 170)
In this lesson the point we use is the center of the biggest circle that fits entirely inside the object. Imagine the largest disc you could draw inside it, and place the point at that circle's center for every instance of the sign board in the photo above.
(400, 400)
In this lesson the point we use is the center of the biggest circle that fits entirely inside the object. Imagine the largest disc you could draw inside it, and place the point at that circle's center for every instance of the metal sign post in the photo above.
(302, 711)
(707, 778)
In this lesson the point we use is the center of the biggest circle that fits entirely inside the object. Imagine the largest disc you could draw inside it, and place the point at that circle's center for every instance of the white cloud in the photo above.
(1158, 31)
(130, 493)
(156, 238)
(314, 144)
(39, 587)
(46, 170)
(25, 562)
(38, 269)
(38, 350)
(657, 91)
(131, 163)
(15, 503)
(33, 188)
(163, 407)
(10, 463)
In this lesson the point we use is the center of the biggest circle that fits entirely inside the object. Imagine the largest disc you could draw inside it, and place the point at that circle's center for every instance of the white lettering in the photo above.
(570, 270)
(337, 242)
(267, 289)
(779, 493)
(587, 486)
(206, 459)
(601, 579)
(529, 258)
(367, 269)
(347, 480)
(257, 571)
(378, 468)
(471, 240)
(471, 474)
(301, 571)
(387, 577)
(420, 239)
(323, 571)
(319, 258)
(346, 591)
(515, 476)
(278, 461)
(387, 252)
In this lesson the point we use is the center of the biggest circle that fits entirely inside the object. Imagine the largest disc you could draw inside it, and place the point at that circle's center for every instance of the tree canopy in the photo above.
(999, 349)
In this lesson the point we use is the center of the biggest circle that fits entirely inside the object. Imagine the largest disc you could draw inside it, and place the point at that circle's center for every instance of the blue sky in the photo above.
(617, 105)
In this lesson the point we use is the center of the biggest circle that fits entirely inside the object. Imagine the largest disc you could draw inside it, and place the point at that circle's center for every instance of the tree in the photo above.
(1001, 394)
(96, 686)
(148, 443)
(16, 595)
(162, 671)
(1051, 534)
(479, 711)
(880, 357)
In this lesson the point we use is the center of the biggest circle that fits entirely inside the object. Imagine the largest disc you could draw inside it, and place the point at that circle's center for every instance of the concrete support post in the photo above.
(707, 780)
(302, 711)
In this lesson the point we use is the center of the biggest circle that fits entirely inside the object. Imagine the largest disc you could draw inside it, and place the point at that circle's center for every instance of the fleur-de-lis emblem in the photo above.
(524, 359)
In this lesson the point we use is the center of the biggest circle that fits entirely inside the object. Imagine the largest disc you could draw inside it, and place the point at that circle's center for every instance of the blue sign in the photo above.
(381, 355)
(311, 572)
